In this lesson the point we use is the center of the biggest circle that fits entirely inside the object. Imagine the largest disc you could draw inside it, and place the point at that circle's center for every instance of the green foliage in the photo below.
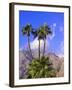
(41, 68)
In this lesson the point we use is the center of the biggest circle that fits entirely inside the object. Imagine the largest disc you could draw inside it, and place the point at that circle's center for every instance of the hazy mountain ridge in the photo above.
(25, 58)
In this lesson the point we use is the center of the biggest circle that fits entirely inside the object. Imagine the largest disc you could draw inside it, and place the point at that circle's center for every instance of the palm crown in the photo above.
(26, 31)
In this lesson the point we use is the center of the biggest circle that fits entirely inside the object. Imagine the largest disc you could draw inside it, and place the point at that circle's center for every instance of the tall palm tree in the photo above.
(26, 31)
(46, 31)
(38, 33)
(40, 37)
(42, 33)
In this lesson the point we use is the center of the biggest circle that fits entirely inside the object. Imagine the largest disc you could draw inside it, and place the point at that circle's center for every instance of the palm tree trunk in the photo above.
(44, 46)
(29, 46)
(39, 49)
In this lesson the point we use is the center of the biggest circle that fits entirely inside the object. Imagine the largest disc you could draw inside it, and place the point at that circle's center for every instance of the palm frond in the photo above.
(35, 34)
(23, 31)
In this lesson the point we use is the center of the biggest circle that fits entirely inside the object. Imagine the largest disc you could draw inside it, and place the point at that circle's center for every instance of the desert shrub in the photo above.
(41, 68)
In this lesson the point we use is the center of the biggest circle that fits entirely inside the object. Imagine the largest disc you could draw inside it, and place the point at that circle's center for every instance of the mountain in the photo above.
(58, 64)
(25, 58)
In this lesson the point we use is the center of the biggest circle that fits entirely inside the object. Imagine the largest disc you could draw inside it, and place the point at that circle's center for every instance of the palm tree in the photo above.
(26, 31)
(40, 37)
(46, 31)
(38, 33)
(42, 33)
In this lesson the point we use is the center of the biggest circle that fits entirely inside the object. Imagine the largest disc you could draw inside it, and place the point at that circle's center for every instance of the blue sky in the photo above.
(36, 19)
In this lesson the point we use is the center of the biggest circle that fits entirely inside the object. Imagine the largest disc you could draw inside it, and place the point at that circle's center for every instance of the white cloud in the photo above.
(54, 24)
(61, 49)
(53, 31)
(52, 36)
(61, 29)
(35, 44)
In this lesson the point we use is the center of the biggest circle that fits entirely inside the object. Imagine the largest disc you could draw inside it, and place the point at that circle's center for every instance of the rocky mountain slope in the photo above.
(25, 58)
